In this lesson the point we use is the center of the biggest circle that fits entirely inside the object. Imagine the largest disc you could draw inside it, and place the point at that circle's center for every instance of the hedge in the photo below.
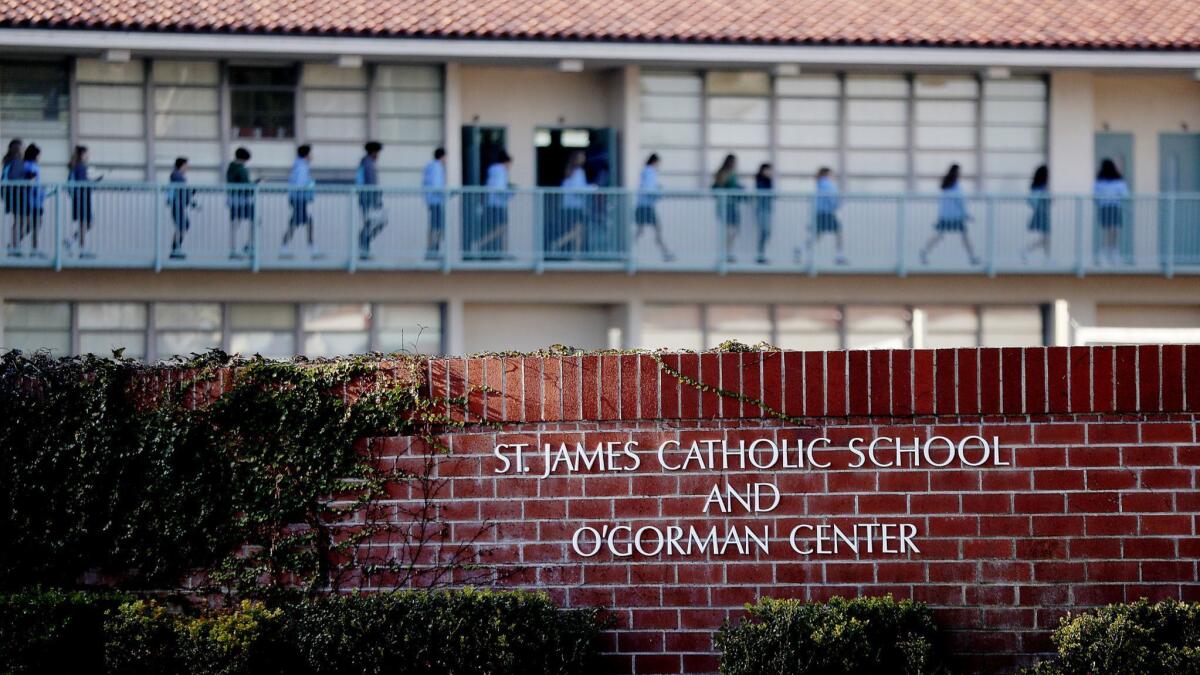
(844, 636)
(1136, 638)
(415, 632)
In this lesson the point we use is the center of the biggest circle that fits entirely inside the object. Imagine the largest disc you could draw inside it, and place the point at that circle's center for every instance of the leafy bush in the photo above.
(418, 632)
(53, 631)
(1136, 638)
(860, 635)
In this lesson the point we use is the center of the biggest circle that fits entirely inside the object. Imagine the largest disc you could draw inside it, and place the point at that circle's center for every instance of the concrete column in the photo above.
(631, 324)
(453, 336)
(631, 114)
(452, 125)
(1071, 132)
(1081, 313)
(1060, 328)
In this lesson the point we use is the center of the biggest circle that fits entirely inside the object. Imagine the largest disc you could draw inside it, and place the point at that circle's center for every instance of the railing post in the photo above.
(353, 242)
(1169, 249)
(1080, 249)
(450, 233)
(990, 205)
(626, 216)
(58, 209)
(901, 237)
(158, 258)
(539, 230)
(812, 238)
(722, 254)
(255, 237)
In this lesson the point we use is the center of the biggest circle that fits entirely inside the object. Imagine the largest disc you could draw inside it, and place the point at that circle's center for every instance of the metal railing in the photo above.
(166, 226)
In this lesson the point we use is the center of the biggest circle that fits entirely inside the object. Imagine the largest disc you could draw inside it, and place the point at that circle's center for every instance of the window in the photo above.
(183, 328)
(748, 324)
(672, 327)
(33, 326)
(808, 328)
(266, 329)
(950, 326)
(330, 330)
(415, 329)
(34, 105)
(869, 327)
(106, 327)
(263, 101)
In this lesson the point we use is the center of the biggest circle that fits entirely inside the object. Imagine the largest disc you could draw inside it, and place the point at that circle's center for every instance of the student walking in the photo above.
(493, 235)
(645, 211)
(952, 216)
(825, 218)
(81, 202)
(725, 182)
(1111, 194)
(30, 201)
(572, 231)
(1039, 217)
(300, 198)
(179, 200)
(10, 168)
(370, 199)
(240, 198)
(764, 204)
(433, 180)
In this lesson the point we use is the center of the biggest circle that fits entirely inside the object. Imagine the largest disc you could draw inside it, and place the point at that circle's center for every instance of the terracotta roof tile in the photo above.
(1066, 24)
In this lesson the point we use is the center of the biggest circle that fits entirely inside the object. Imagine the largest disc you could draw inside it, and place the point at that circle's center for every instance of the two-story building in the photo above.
(887, 95)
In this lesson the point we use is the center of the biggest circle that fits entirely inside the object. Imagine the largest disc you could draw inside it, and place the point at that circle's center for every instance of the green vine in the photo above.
(262, 487)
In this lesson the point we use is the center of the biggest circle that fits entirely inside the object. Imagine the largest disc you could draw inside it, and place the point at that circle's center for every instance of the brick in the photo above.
(1012, 380)
(494, 374)
(590, 383)
(572, 387)
(751, 377)
(968, 381)
(689, 395)
(989, 381)
(881, 383)
(1058, 380)
(710, 375)
(1126, 379)
(731, 381)
(772, 380)
(476, 405)
(648, 388)
(668, 388)
(1172, 378)
(923, 385)
(860, 386)
(1148, 379)
(794, 385)
(532, 388)
(1081, 379)
(627, 374)
(1191, 376)
(514, 388)
(1035, 380)
(945, 395)
(835, 384)
(901, 382)
(1103, 378)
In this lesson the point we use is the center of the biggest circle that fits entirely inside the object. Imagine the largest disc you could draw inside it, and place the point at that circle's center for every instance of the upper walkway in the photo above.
(135, 226)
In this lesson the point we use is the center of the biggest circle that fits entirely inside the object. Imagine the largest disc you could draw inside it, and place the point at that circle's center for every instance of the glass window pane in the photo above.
(112, 315)
(271, 344)
(33, 326)
(877, 327)
(808, 328)
(409, 328)
(881, 86)
(104, 343)
(201, 315)
(807, 85)
(243, 316)
(934, 86)
(183, 342)
(949, 326)
(1012, 326)
(334, 344)
(336, 317)
(735, 82)
(671, 327)
(748, 324)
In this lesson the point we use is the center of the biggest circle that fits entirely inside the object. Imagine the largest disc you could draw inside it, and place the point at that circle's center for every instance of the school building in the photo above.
(887, 96)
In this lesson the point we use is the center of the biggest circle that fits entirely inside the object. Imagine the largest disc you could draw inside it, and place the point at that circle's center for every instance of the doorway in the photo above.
(484, 218)
(579, 226)
(1179, 182)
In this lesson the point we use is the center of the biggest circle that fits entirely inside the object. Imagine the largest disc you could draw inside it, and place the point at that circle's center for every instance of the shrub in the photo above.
(1136, 638)
(53, 631)
(416, 632)
(861, 635)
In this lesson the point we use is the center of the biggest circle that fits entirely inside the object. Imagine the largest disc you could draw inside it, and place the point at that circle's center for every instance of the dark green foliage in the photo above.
(53, 631)
(1136, 638)
(859, 636)
(416, 632)
(106, 482)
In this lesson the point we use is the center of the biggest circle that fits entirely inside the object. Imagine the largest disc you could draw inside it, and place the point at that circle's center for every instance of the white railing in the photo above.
(165, 226)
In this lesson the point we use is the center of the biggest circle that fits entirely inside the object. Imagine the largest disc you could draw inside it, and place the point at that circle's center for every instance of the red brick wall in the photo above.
(1099, 504)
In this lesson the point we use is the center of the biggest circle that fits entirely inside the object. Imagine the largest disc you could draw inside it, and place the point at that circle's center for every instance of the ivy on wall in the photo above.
(244, 475)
